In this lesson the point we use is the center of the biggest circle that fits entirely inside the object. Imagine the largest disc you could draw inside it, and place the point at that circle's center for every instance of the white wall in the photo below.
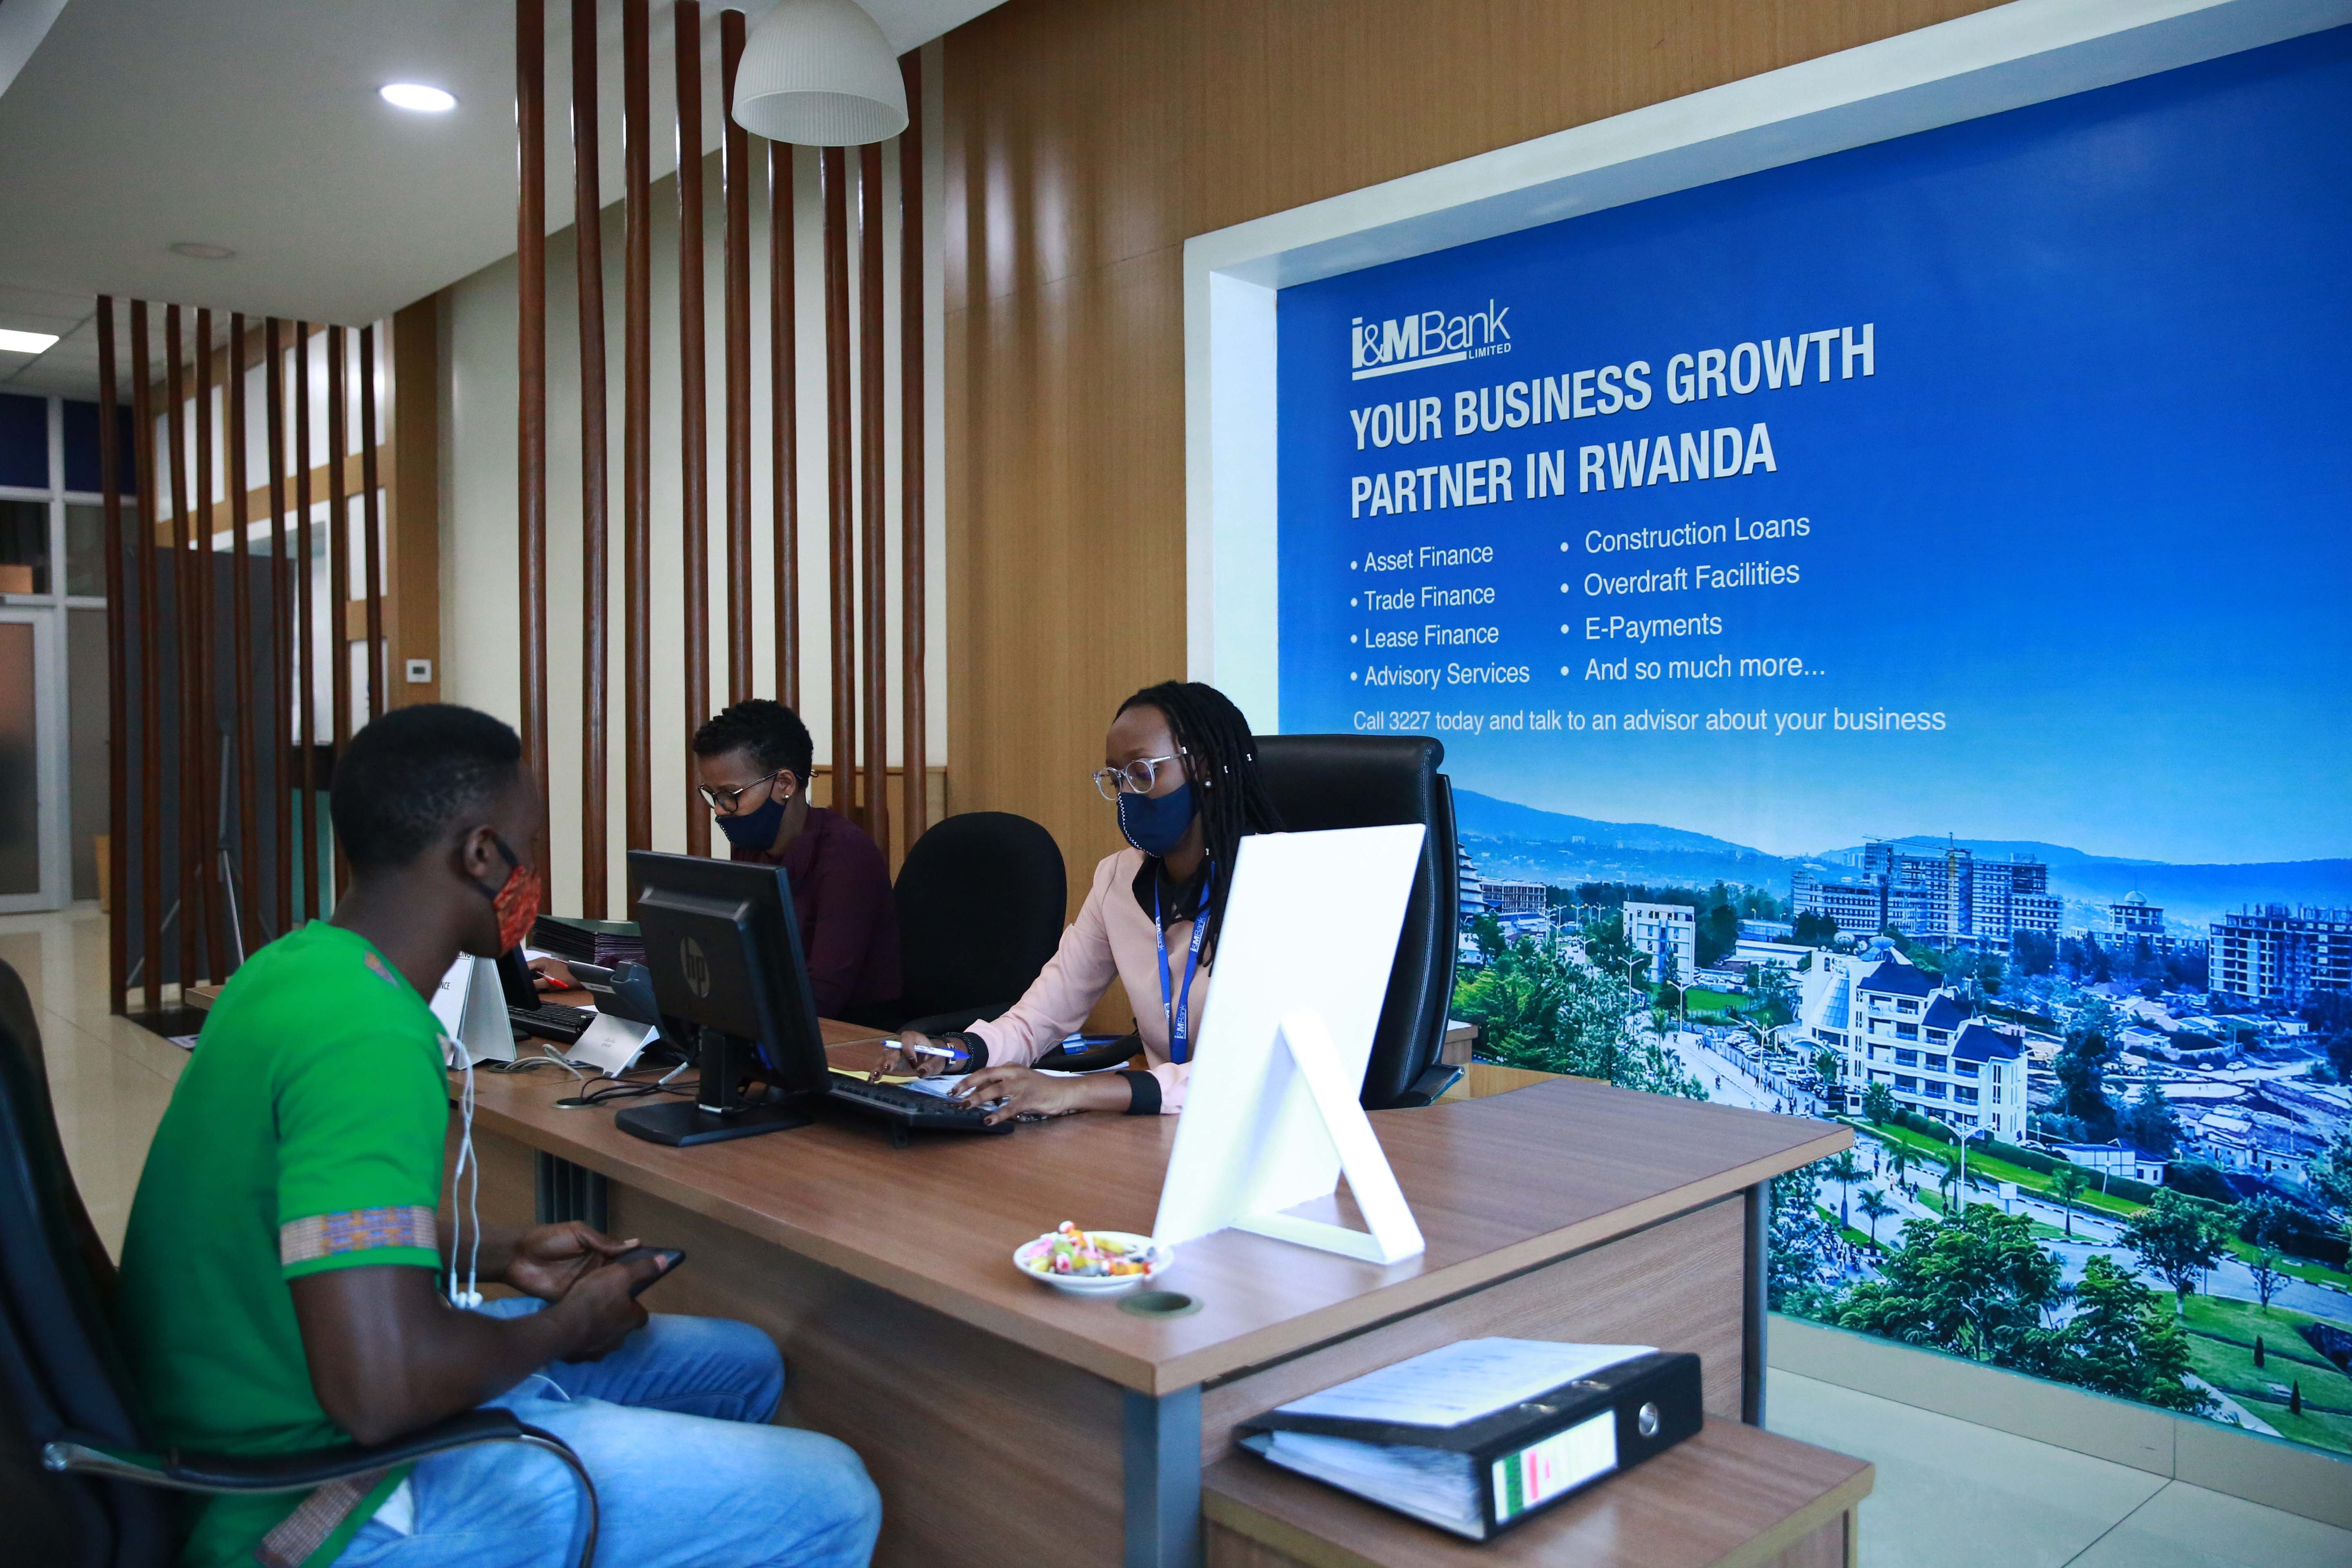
(480, 593)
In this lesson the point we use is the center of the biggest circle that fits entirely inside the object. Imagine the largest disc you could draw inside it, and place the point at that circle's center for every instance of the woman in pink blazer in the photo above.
(1180, 765)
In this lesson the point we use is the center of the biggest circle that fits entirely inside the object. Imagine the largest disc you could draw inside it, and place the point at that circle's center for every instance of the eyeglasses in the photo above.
(1135, 778)
(727, 802)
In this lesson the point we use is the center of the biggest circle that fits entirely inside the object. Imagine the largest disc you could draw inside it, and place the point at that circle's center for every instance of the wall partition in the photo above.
(1865, 562)
(687, 451)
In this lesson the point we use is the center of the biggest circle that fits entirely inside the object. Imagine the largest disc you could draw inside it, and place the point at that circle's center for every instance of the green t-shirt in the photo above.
(306, 1134)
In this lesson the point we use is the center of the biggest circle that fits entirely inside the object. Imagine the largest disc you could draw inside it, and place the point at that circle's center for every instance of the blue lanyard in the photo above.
(1177, 1004)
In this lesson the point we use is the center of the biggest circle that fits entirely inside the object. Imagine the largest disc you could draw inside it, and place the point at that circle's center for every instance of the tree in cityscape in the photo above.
(1948, 1177)
(1875, 1208)
(2067, 1181)
(1488, 933)
(1898, 1162)
(2266, 1220)
(1878, 1102)
(1973, 1284)
(1815, 929)
(1847, 1171)
(2119, 1340)
(2330, 1176)
(1800, 1270)
(2176, 1238)
(1774, 991)
(1539, 1006)
(2035, 952)
(2149, 1124)
(2265, 1270)
(2081, 1068)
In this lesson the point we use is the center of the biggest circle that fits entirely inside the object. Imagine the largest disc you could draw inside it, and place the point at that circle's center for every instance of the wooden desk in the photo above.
(1006, 1423)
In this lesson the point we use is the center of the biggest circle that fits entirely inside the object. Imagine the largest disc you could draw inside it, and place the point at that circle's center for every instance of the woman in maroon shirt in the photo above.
(751, 767)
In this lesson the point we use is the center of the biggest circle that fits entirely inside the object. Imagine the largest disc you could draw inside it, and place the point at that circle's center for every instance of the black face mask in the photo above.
(754, 829)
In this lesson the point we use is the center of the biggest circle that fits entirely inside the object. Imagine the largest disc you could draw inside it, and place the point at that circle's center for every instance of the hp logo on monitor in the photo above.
(696, 966)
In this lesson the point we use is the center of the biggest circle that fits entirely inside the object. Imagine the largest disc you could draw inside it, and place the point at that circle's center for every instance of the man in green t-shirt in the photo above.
(281, 1271)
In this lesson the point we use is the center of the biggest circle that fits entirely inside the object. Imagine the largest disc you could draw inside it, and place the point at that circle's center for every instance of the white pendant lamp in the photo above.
(819, 73)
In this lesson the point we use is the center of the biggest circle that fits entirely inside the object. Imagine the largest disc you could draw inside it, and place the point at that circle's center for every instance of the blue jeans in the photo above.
(672, 1429)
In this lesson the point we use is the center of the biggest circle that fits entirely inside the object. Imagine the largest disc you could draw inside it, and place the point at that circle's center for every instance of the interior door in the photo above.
(33, 872)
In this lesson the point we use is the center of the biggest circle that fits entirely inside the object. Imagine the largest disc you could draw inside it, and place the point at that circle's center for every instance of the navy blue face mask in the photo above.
(1156, 823)
(754, 829)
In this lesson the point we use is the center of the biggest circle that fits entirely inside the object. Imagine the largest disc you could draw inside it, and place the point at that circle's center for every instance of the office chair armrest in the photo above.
(177, 1470)
(1061, 1058)
(180, 1470)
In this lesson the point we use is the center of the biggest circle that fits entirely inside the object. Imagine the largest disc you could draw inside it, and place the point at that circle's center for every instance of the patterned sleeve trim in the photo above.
(356, 1230)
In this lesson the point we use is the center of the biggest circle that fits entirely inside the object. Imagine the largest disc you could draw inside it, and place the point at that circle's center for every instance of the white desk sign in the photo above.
(472, 1007)
(1271, 1119)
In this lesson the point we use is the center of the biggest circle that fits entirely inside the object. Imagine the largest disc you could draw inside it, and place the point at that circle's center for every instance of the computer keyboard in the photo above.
(909, 1109)
(553, 1021)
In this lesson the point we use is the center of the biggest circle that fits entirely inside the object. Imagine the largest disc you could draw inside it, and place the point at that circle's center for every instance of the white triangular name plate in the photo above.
(1392, 1234)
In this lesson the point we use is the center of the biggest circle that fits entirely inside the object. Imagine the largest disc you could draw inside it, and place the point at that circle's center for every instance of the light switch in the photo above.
(420, 672)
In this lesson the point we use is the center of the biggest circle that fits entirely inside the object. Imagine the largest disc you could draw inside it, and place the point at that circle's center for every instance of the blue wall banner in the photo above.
(1891, 609)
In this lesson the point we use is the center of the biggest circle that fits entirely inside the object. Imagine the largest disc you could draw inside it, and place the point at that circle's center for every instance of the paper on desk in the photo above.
(1462, 1381)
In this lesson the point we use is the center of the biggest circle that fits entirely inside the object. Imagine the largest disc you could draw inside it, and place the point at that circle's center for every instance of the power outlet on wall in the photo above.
(420, 672)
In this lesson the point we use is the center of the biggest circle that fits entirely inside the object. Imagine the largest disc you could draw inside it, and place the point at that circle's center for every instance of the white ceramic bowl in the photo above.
(1156, 1259)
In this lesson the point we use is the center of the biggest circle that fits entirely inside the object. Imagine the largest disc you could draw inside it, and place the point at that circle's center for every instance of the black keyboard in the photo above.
(908, 1110)
(553, 1021)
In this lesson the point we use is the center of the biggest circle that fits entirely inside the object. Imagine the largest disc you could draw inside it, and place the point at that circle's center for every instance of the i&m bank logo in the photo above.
(1432, 337)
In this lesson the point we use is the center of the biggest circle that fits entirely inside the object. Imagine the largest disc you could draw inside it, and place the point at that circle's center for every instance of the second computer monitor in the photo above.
(724, 949)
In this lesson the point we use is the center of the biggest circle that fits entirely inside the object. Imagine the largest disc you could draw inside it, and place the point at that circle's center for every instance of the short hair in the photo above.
(404, 778)
(771, 731)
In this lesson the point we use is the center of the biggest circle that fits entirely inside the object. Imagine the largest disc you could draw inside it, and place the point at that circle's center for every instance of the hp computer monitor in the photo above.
(724, 949)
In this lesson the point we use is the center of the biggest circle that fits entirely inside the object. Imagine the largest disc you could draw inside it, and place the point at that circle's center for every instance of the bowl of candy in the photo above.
(1091, 1262)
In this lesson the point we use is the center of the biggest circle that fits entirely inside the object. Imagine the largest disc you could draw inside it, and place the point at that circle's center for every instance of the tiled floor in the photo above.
(1948, 1492)
(1952, 1494)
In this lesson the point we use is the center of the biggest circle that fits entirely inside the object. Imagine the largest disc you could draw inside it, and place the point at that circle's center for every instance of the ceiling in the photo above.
(255, 125)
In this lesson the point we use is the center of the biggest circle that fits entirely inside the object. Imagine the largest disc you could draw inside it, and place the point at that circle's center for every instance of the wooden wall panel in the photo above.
(1084, 142)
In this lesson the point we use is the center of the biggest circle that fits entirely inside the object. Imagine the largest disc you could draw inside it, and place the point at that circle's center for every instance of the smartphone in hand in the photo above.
(670, 1256)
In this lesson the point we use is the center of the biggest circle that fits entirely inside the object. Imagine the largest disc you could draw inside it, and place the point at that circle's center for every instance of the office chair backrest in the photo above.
(981, 901)
(1377, 781)
(61, 1369)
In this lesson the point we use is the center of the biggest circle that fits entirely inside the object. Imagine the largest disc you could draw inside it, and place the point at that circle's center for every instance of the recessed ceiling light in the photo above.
(197, 250)
(417, 96)
(17, 342)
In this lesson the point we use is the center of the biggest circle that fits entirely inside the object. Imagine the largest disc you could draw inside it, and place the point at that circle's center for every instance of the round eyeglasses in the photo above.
(1135, 778)
(727, 802)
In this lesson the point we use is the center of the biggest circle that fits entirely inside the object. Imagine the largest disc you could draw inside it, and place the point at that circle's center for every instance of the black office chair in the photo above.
(79, 1483)
(981, 902)
(1321, 782)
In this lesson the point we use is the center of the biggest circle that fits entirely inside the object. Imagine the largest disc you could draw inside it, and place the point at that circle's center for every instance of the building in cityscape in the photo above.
(2280, 957)
(2133, 915)
(1663, 931)
(1889, 1023)
(2113, 1158)
(1944, 896)
(1514, 898)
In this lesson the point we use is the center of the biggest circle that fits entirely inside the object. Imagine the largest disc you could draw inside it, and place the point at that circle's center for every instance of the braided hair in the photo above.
(1220, 760)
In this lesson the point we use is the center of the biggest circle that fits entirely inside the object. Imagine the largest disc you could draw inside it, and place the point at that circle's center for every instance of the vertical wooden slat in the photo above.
(338, 574)
(636, 432)
(281, 615)
(832, 179)
(693, 398)
(202, 668)
(118, 669)
(531, 357)
(588, 206)
(249, 848)
(783, 422)
(185, 848)
(379, 648)
(915, 718)
(735, 179)
(873, 538)
(151, 771)
(306, 703)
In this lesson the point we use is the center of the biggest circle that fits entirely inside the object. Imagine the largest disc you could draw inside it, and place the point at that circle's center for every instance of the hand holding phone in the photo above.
(669, 1257)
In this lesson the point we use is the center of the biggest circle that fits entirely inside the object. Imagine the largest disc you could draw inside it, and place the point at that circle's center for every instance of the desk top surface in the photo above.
(1498, 1185)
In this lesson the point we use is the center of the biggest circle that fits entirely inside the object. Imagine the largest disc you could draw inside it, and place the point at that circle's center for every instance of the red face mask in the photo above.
(516, 901)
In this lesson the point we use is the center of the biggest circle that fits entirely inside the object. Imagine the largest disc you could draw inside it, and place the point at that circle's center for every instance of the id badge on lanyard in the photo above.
(1178, 1004)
